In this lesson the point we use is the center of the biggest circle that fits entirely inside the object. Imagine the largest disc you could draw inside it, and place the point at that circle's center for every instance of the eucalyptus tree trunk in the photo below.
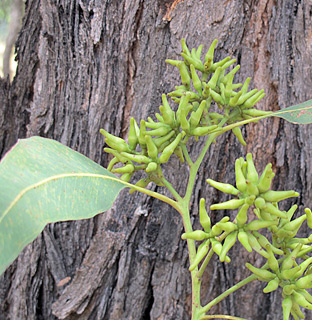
(85, 65)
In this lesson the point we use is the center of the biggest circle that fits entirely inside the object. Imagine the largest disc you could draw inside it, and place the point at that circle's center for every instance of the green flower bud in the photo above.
(272, 261)
(288, 262)
(203, 216)
(269, 207)
(196, 115)
(252, 174)
(126, 177)
(309, 217)
(289, 273)
(256, 112)
(198, 52)
(260, 203)
(115, 142)
(133, 138)
(266, 179)
(276, 196)
(216, 97)
(185, 48)
(224, 187)
(161, 131)
(306, 294)
(301, 300)
(228, 64)
(202, 131)
(166, 154)
(194, 61)
(243, 239)
(151, 147)
(259, 224)
(231, 204)
(196, 81)
(272, 285)
(167, 112)
(161, 140)
(249, 103)
(142, 134)
(197, 235)
(303, 266)
(304, 282)
(246, 96)
(182, 107)
(141, 183)
(155, 125)
(263, 275)
(227, 245)
(128, 168)
(209, 55)
(160, 118)
(256, 246)
(116, 154)
(250, 200)
(216, 246)
(216, 230)
(252, 189)
(228, 226)
(201, 253)
(111, 164)
(288, 289)
(234, 100)
(221, 63)
(136, 157)
(241, 217)
(287, 306)
(162, 147)
(296, 311)
(239, 176)
(238, 133)
(184, 72)
(294, 225)
(264, 242)
(152, 166)
(212, 84)
(184, 123)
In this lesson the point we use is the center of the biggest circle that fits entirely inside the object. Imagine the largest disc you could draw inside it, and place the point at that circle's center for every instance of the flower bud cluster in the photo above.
(215, 84)
(154, 142)
(288, 264)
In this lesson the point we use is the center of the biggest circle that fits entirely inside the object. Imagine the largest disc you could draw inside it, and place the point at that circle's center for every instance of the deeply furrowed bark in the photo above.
(86, 65)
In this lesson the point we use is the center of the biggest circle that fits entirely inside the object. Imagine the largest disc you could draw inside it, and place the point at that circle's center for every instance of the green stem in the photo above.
(194, 168)
(196, 282)
(186, 155)
(169, 186)
(184, 204)
(204, 264)
(240, 284)
(153, 194)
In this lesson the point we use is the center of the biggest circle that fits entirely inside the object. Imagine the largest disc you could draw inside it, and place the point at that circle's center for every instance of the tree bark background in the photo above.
(85, 65)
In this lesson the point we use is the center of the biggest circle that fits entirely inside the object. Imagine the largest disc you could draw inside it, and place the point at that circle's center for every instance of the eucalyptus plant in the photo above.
(206, 104)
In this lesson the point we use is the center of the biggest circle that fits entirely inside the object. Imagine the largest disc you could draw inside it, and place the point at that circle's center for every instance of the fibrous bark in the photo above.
(86, 65)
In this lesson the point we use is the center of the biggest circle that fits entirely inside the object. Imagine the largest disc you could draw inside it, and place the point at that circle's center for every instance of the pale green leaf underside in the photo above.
(299, 114)
(43, 181)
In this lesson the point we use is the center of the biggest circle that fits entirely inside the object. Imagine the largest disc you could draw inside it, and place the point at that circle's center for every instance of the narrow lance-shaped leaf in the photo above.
(42, 181)
(299, 114)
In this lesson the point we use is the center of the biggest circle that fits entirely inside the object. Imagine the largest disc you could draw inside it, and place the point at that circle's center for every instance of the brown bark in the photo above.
(89, 65)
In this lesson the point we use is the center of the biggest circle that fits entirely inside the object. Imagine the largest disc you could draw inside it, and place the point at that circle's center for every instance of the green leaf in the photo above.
(42, 181)
(299, 114)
